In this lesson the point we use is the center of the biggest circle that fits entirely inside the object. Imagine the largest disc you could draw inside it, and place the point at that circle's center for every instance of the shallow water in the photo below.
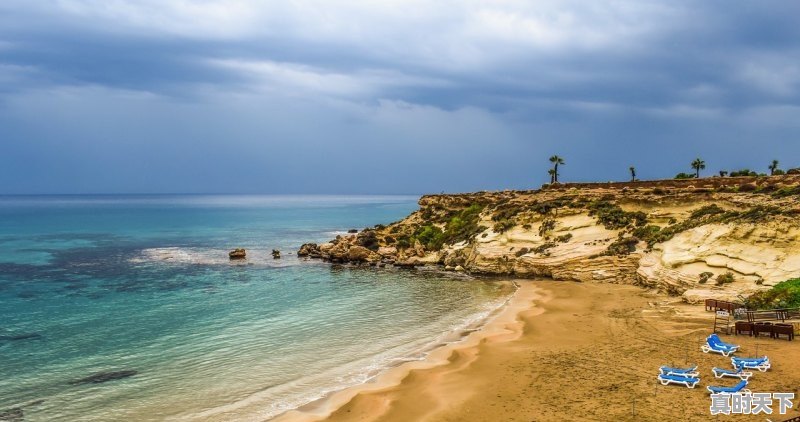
(142, 283)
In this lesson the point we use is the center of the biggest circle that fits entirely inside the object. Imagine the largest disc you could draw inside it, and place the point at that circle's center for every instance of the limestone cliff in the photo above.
(719, 237)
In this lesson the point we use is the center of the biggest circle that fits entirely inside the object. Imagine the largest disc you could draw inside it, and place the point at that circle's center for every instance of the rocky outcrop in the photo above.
(661, 234)
(237, 253)
(276, 254)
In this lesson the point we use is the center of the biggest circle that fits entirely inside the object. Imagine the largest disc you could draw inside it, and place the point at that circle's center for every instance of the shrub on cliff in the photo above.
(785, 294)
(743, 173)
(786, 191)
(503, 225)
(712, 209)
(612, 217)
(683, 175)
(622, 246)
(464, 225)
(430, 236)
(725, 278)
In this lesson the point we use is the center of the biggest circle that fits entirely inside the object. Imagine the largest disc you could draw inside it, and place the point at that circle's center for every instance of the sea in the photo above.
(126, 307)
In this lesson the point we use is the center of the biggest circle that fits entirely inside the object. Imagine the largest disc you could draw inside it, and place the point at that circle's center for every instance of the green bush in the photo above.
(544, 248)
(785, 294)
(622, 246)
(743, 172)
(548, 224)
(705, 276)
(612, 217)
(430, 236)
(503, 225)
(725, 278)
(712, 209)
(464, 225)
(684, 176)
(564, 238)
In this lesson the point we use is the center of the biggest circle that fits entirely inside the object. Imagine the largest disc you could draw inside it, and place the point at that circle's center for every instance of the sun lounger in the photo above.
(689, 382)
(738, 388)
(762, 364)
(715, 338)
(714, 344)
(738, 373)
(682, 372)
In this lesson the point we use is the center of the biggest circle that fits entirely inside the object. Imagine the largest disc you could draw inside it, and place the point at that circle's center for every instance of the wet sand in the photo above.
(564, 350)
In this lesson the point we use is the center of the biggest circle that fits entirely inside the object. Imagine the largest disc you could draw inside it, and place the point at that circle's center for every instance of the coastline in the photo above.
(562, 349)
(503, 326)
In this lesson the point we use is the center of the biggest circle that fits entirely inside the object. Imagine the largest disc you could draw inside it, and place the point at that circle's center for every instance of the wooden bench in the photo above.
(743, 326)
(762, 328)
(783, 329)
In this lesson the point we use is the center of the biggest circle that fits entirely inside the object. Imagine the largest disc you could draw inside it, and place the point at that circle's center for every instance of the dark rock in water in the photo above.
(101, 377)
(237, 253)
(276, 254)
(12, 415)
(309, 249)
(25, 336)
(368, 239)
(352, 231)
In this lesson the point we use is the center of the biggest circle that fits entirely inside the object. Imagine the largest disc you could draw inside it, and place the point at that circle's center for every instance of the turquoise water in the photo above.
(142, 283)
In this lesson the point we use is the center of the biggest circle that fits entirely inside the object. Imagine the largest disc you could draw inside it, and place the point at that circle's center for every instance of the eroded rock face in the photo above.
(237, 253)
(554, 233)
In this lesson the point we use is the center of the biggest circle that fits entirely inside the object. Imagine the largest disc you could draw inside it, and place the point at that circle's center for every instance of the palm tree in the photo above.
(552, 174)
(698, 165)
(772, 167)
(556, 160)
(633, 173)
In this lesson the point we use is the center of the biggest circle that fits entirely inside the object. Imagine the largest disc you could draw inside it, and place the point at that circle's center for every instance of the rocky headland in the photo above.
(721, 237)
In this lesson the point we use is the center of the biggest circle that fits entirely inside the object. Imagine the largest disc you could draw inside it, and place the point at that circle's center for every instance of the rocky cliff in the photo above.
(715, 237)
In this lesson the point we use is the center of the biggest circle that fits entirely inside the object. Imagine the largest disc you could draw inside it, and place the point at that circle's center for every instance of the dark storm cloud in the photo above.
(405, 96)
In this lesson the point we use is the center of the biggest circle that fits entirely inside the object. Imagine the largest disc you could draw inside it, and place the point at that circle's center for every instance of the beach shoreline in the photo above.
(562, 349)
(503, 326)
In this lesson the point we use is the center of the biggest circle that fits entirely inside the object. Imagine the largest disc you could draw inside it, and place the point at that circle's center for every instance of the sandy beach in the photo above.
(580, 351)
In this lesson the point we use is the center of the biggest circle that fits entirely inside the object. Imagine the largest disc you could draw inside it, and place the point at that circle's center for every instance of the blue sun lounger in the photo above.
(738, 373)
(714, 344)
(738, 388)
(689, 382)
(681, 372)
(762, 364)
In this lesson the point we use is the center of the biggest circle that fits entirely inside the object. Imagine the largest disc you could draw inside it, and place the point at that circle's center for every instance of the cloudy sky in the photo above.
(385, 96)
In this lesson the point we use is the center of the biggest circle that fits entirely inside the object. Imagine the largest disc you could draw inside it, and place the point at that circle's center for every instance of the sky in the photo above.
(388, 97)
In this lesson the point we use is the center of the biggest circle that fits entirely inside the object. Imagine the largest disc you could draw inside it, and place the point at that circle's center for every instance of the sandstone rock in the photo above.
(419, 249)
(386, 251)
(308, 249)
(359, 253)
(237, 253)
(459, 268)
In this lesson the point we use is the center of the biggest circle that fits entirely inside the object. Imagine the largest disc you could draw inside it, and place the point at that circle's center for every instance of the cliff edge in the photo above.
(715, 237)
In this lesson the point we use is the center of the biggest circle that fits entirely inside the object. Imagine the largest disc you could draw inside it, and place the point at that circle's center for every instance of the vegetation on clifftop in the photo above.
(785, 294)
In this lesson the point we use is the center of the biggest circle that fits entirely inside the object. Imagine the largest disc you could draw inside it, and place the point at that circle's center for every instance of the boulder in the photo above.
(308, 249)
(352, 231)
(387, 251)
(237, 253)
(358, 253)
(276, 254)
(419, 249)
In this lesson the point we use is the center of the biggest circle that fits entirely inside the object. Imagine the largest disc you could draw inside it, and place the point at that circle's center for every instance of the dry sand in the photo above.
(566, 351)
